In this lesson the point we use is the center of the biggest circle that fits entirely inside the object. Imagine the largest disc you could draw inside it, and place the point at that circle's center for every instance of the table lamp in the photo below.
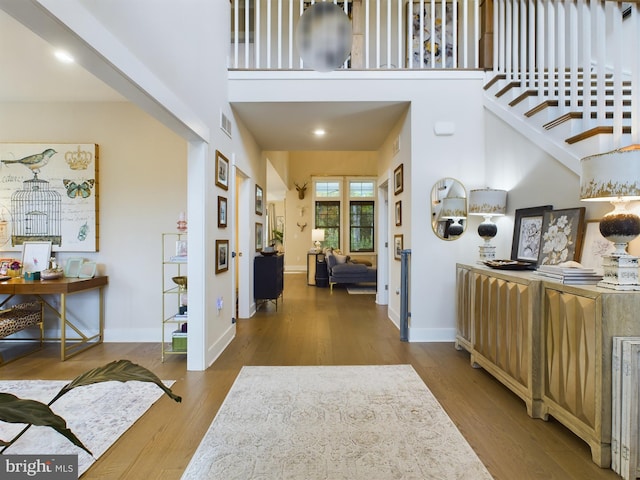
(454, 208)
(317, 236)
(487, 203)
(615, 177)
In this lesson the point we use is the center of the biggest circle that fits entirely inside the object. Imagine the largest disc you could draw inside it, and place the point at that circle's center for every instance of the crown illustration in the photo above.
(78, 160)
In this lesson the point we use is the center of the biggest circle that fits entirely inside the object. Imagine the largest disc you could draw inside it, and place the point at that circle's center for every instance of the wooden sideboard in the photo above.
(549, 343)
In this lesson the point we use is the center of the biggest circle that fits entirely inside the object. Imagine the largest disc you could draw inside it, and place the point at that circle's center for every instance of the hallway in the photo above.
(316, 327)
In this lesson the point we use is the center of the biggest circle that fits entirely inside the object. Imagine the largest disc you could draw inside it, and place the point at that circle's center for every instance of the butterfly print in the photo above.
(79, 189)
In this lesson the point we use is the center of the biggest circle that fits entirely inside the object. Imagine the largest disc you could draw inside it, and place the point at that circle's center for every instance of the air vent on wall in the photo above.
(225, 124)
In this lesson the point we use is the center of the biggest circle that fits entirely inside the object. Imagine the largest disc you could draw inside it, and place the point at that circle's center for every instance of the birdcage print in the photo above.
(36, 213)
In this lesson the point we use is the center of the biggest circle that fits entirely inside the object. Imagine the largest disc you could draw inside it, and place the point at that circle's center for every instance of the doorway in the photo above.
(242, 245)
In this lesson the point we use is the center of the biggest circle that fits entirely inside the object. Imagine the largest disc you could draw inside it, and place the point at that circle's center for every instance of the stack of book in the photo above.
(568, 275)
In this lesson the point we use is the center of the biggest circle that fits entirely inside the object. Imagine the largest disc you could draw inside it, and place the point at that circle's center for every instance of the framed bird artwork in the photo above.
(48, 194)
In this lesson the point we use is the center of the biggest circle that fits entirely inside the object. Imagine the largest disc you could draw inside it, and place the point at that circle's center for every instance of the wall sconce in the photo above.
(317, 236)
(615, 177)
(487, 203)
(454, 208)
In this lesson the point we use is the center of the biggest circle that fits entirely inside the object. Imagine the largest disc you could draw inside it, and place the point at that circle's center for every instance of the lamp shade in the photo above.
(487, 202)
(317, 235)
(612, 175)
(454, 207)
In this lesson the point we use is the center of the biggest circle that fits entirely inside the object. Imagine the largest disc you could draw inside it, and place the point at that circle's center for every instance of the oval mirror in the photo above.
(448, 209)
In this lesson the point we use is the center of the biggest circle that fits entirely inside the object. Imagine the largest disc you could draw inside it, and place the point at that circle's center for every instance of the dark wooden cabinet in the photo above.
(268, 277)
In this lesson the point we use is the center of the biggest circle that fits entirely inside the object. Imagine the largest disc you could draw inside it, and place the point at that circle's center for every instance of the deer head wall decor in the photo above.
(301, 226)
(301, 190)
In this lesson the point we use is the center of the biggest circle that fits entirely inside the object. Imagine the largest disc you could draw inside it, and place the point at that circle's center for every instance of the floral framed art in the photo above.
(527, 229)
(222, 171)
(398, 245)
(222, 256)
(259, 200)
(561, 236)
(259, 235)
(398, 180)
(398, 213)
(222, 212)
(594, 246)
(35, 256)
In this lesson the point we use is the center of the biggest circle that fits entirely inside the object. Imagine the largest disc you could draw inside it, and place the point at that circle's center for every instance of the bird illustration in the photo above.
(34, 162)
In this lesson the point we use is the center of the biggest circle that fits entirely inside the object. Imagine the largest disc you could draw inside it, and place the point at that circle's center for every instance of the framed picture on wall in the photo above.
(436, 49)
(222, 212)
(398, 181)
(259, 200)
(259, 235)
(222, 171)
(561, 238)
(398, 241)
(398, 213)
(527, 230)
(222, 256)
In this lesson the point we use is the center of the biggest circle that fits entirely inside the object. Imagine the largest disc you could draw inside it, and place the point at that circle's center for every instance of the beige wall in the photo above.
(302, 166)
(142, 180)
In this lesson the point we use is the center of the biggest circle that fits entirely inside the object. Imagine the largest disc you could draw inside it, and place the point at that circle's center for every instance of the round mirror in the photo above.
(448, 209)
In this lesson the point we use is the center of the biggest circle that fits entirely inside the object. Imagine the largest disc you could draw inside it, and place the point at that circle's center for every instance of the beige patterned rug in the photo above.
(351, 422)
(97, 414)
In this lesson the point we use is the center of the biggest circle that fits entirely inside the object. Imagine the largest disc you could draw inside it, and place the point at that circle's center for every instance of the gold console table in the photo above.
(62, 287)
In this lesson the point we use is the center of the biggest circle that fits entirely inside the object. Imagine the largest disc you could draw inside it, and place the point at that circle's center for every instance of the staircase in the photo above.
(571, 99)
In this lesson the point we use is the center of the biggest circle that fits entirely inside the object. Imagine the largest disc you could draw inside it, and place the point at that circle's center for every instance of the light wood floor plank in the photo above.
(315, 327)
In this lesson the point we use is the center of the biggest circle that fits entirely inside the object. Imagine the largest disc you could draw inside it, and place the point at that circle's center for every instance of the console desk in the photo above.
(62, 287)
(549, 343)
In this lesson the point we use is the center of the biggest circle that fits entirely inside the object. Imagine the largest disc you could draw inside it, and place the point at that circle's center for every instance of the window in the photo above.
(361, 223)
(361, 189)
(328, 218)
(330, 189)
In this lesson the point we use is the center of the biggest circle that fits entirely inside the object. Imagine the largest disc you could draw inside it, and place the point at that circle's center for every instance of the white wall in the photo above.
(142, 189)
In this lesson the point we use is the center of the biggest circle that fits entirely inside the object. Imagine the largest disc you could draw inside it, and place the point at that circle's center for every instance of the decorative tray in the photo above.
(510, 265)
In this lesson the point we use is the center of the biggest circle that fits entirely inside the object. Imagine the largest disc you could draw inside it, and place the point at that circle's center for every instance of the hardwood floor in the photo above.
(315, 327)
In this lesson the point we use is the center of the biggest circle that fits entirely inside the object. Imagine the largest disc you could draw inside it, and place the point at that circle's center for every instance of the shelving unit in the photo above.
(174, 264)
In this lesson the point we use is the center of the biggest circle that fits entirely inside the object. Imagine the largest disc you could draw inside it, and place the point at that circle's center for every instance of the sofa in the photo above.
(344, 271)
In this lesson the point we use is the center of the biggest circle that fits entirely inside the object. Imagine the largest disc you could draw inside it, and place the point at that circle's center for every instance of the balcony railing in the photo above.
(387, 34)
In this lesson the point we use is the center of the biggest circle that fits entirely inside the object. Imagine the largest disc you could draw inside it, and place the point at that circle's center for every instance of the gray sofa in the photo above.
(349, 272)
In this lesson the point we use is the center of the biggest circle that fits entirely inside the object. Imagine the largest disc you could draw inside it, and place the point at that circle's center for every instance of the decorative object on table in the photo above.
(182, 222)
(509, 264)
(454, 209)
(561, 238)
(615, 177)
(35, 256)
(222, 171)
(569, 273)
(317, 237)
(59, 182)
(527, 232)
(398, 246)
(488, 203)
(181, 281)
(259, 232)
(268, 251)
(51, 274)
(14, 268)
(398, 179)
(398, 213)
(594, 246)
(72, 267)
(222, 212)
(222, 256)
(259, 200)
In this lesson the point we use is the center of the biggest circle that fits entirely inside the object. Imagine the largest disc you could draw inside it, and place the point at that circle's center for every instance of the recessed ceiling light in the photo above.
(64, 57)
(319, 132)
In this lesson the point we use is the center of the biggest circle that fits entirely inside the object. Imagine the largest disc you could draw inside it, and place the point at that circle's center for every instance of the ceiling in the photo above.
(30, 73)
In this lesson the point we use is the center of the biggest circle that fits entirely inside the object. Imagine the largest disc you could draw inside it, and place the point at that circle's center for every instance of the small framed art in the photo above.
(222, 212)
(398, 180)
(259, 200)
(398, 213)
(594, 246)
(222, 256)
(35, 256)
(398, 241)
(222, 171)
(259, 235)
(527, 230)
(561, 238)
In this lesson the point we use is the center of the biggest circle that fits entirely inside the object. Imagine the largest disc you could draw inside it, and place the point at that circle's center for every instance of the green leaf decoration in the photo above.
(121, 371)
(17, 410)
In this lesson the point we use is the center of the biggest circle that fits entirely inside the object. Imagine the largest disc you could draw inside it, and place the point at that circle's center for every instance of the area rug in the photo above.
(333, 422)
(361, 289)
(97, 414)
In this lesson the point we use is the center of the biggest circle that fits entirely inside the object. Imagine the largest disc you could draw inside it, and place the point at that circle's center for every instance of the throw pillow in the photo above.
(340, 258)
